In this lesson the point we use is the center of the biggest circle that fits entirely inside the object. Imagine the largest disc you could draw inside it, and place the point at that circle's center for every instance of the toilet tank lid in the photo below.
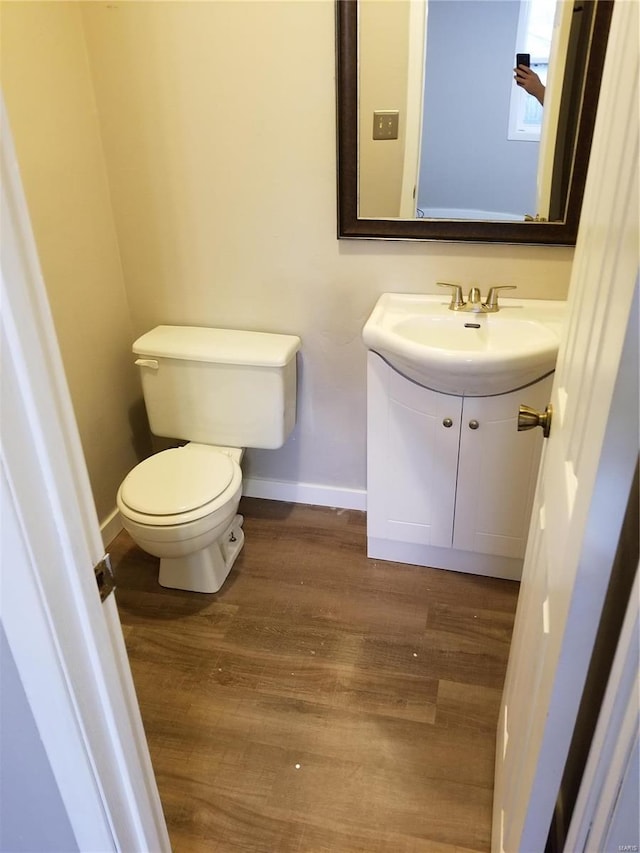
(226, 346)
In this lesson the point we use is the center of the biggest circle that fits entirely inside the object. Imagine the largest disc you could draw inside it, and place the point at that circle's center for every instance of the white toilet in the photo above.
(221, 390)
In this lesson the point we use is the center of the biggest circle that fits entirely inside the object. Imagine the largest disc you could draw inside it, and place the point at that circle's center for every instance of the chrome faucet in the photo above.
(474, 303)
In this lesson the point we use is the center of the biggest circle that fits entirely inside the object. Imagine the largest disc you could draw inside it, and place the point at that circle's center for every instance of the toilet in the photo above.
(220, 390)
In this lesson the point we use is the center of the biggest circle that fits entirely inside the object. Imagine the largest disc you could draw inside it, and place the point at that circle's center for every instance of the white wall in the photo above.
(217, 121)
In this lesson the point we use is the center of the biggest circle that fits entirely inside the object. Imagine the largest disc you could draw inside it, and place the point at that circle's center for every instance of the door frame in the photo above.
(606, 811)
(67, 645)
(552, 103)
(416, 59)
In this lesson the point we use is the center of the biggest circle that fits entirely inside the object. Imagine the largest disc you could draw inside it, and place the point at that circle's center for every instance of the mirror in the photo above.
(382, 188)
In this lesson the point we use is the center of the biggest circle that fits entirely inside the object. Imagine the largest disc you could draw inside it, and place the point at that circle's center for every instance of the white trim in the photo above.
(67, 646)
(305, 493)
(452, 559)
(273, 490)
(416, 58)
(51, 703)
(612, 748)
(110, 527)
(552, 102)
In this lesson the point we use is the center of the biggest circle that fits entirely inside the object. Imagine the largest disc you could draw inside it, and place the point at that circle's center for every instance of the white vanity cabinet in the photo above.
(450, 480)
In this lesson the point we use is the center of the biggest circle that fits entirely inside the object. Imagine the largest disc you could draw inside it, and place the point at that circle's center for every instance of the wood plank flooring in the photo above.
(321, 702)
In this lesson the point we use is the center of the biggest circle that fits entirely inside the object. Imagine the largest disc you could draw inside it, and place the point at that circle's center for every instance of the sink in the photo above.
(460, 352)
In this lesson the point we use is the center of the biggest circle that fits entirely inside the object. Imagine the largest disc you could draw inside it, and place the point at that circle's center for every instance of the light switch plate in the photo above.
(385, 124)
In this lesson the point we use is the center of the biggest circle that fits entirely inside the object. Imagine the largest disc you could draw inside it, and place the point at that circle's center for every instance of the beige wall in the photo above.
(383, 52)
(52, 112)
(218, 126)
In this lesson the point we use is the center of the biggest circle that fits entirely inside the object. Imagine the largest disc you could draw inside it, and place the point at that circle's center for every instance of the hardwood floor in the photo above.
(320, 701)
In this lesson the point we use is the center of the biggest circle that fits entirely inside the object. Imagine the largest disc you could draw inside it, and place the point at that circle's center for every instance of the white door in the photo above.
(586, 472)
(67, 645)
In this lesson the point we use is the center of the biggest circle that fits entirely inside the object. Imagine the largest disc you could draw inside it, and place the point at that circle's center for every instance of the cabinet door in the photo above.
(497, 472)
(411, 458)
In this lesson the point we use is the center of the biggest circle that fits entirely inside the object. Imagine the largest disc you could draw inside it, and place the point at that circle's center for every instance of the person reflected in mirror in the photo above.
(530, 82)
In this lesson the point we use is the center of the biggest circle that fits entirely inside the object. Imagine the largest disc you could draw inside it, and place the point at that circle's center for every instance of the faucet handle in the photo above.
(457, 301)
(492, 296)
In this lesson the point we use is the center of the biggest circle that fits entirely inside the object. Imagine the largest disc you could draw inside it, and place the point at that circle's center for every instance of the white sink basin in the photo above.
(459, 352)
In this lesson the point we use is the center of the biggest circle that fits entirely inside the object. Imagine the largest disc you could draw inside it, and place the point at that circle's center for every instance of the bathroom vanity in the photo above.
(450, 479)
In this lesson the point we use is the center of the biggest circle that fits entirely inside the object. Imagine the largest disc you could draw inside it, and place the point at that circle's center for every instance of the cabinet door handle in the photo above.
(447, 422)
(473, 424)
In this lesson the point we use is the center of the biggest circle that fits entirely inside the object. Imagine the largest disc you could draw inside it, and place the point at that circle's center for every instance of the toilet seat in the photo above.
(179, 486)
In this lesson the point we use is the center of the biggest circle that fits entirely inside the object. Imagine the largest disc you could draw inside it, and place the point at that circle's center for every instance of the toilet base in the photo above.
(205, 570)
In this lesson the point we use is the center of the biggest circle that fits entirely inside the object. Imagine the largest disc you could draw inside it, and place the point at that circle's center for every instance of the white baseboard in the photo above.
(305, 493)
(274, 490)
(452, 559)
(110, 527)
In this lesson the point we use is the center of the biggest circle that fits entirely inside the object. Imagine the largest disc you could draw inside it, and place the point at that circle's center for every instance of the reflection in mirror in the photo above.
(471, 155)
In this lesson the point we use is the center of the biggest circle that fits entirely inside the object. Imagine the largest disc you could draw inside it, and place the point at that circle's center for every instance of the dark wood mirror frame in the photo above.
(350, 226)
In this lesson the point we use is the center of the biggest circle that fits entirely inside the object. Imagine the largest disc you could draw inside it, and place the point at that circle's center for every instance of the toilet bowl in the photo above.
(181, 505)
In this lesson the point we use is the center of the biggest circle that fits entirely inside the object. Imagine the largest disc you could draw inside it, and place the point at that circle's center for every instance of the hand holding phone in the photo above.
(528, 79)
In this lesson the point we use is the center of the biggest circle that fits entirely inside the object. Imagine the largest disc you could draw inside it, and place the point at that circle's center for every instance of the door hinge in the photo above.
(104, 577)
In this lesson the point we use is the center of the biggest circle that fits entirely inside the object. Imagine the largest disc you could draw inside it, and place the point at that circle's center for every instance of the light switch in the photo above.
(385, 124)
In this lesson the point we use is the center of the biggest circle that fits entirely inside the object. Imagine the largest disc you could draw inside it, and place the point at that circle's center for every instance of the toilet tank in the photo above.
(219, 386)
